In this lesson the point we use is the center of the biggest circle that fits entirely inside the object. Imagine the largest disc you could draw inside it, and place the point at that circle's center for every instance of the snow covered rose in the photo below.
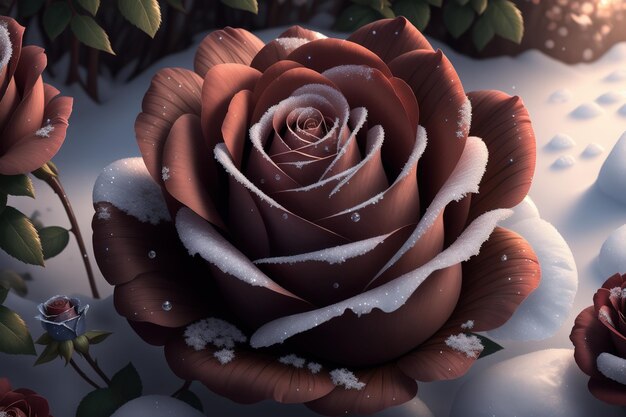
(330, 189)
(63, 318)
(599, 337)
(33, 116)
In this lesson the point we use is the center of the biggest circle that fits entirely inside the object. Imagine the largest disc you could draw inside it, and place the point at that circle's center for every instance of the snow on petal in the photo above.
(465, 119)
(224, 356)
(346, 378)
(612, 367)
(470, 345)
(6, 47)
(127, 185)
(216, 332)
(290, 44)
(293, 360)
(45, 131)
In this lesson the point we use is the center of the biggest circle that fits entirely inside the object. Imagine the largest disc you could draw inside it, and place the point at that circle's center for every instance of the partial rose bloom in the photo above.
(330, 189)
(63, 317)
(21, 402)
(599, 337)
(33, 115)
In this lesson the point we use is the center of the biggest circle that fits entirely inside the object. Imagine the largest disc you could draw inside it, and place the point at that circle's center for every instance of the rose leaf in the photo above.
(96, 336)
(53, 240)
(126, 384)
(50, 353)
(190, 398)
(27, 8)
(14, 335)
(19, 185)
(177, 4)
(91, 6)
(90, 33)
(479, 6)
(247, 5)
(355, 16)
(99, 403)
(145, 14)
(13, 280)
(457, 18)
(55, 19)
(19, 238)
(482, 33)
(417, 12)
(4, 291)
(506, 19)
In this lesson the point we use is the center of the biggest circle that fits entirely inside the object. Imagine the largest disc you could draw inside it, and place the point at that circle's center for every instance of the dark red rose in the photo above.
(21, 402)
(61, 307)
(62, 317)
(599, 337)
(332, 238)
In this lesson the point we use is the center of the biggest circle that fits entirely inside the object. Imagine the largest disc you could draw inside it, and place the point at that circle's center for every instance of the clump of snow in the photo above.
(612, 177)
(156, 406)
(605, 317)
(224, 356)
(564, 161)
(103, 213)
(165, 173)
(612, 257)
(560, 96)
(543, 383)
(6, 47)
(561, 141)
(314, 367)
(200, 237)
(127, 185)
(470, 345)
(616, 76)
(592, 150)
(45, 131)
(587, 111)
(612, 367)
(349, 71)
(611, 97)
(293, 360)
(465, 119)
(622, 110)
(468, 325)
(346, 378)
(213, 331)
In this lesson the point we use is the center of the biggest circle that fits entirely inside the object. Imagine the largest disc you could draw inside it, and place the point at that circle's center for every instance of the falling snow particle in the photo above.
(470, 345)
(346, 378)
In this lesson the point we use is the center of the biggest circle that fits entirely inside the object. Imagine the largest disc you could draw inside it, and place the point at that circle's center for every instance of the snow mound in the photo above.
(560, 96)
(128, 186)
(546, 308)
(156, 406)
(538, 384)
(564, 161)
(592, 150)
(561, 141)
(587, 111)
(622, 110)
(612, 177)
(6, 47)
(612, 367)
(611, 97)
(611, 258)
(616, 76)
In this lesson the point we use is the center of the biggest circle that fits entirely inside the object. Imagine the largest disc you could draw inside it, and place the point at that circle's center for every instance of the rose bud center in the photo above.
(61, 308)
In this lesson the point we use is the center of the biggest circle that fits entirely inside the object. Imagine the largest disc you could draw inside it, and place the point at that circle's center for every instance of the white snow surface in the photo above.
(561, 141)
(612, 257)
(612, 367)
(6, 47)
(156, 406)
(592, 150)
(612, 177)
(587, 111)
(564, 161)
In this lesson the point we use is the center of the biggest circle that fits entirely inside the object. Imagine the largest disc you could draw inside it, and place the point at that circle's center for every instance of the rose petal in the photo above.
(153, 334)
(390, 38)
(503, 123)
(590, 338)
(385, 387)
(444, 112)
(229, 45)
(270, 74)
(162, 105)
(8, 102)
(608, 391)
(191, 170)
(5, 386)
(250, 377)
(300, 32)
(235, 125)
(409, 102)
(275, 51)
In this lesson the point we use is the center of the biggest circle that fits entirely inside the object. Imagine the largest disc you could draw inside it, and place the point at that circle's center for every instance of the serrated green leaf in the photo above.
(387, 12)
(66, 350)
(56, 18)
(355, 16)
(27, 8)
(417, 12)
(482, 33)
(191, 399)
(45, 339)
(479, 6)
(99, 403)
(145, 14)
(4, 291)
(97, 336)
(126, 383)
(177, 4)
(14, 336)
(54, 239)
(436, 3)
(246, 5)
(18, 237)
(91, 6)
(19, 185)
(13, 280)
(457, 18)
(489, 346)
(50, 353)
(90, 33)
(506, 20)
(81, 344)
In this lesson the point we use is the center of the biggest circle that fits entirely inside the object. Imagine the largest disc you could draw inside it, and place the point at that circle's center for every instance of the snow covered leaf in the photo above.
(14, 335)
(90, 33)
(18, 185)
(145, 14)
(18, 237)
(53, 240)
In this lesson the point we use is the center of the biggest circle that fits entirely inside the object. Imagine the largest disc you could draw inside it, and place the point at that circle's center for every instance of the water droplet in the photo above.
(285, 216)
(355, 217)
(504, 258)
(336, 285)
(152, 254)
(262, 180)
(373, 32)
(166, 306)
(277, 177)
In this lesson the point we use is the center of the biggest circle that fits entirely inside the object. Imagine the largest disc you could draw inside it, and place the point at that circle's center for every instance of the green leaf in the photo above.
(13, 280)
(355, 16)
(506, 20)
(19, 185)
(50, 353)
(462, 2)
(145, 14)
(4, 291)
(417, 12)
(479, 6)
(27, 8)
(127, 383)
(53, 240)
(97, 336)
(81, 344)
(56, 18)
(191, 399)
(91, 6)
(247, 5)
(14, 335)
(66, 350)
(457, 18)
(90, 33)
(18, 237)
(482, 33)
(177, 4)
(489, 345)
(387, 12)
(99, 403)
(45, 339)
(436, 3)
(3, 201)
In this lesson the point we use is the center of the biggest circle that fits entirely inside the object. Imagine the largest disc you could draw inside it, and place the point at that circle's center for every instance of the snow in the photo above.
(468, 325)
(560, 96)
(128, 186)
(587, 111)
(224, 356)
(616, 76)
(213, 331)
(471, 345)
(465, 119)
(611, 97)
(156, 406)
(45, 131)
(293, 360)
(611, 258)
(346, 379)
(592, 150)
(622, 110)
(561, 141)
(6, 47)
(612, 367)
(289, 44)
(314, 367)
(564, 161)
(612, 177)
(348, 71)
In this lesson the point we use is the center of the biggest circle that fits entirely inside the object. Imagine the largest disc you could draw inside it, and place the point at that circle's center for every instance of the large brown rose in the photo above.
(599, 337)
(33, 116)
(330, 262)
(21, 402)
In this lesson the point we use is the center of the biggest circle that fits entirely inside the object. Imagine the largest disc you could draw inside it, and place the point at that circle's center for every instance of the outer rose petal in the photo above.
(608, 391)
(275, 51)
(270, 74)
(385, 387)
(8, 101)
(390, 38)
(504, 125)
(235, 125)
(300, 32)
(250, 377)
(237, 46)
(590, 338)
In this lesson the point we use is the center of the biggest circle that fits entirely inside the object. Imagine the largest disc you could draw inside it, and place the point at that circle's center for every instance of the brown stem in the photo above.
(96, 368)
(185, 387)
(92, 74)
(72, 73)
(55, 184)
(83, 375)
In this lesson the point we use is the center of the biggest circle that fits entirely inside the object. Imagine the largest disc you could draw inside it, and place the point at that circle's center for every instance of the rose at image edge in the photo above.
(63, 318)
(287, 95)
(600, 329)
(22, 402)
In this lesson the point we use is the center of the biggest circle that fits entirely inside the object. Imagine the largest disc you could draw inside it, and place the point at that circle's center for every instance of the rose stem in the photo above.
(55, 184)
(185, 387)
(83, 375)
(96, 368)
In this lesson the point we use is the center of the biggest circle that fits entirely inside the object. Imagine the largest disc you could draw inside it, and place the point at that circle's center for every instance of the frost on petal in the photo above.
(103, 213)
(128, 186)
(224, 356)
(469, 325)
(470, 345)
(612, 367)
(290, 44)
(605, 316)
(45, 131)
(165, 173)
(6, 47)
(346, 378)
(465, 119)
(293, 360)
(216, 332)
(314, 367)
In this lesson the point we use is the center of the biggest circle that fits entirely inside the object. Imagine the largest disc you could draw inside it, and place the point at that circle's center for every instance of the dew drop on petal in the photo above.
(152, 254)
(335, 285)
(355, 217)
(166, 306)
(504, 258)
(285, 216)
(277, 177)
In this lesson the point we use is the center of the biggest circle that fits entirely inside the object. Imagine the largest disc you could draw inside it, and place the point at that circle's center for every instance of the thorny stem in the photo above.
(55, 184)
(96, 368)
(83, 375)
(185, 387)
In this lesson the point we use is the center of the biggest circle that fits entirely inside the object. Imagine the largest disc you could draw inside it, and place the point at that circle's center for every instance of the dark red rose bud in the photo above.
(21, 402)
(60, 305)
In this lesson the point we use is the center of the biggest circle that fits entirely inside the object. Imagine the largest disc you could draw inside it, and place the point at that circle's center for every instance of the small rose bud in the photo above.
(62, 317)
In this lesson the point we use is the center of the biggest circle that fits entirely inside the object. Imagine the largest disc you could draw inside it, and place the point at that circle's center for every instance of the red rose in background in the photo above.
(330, 189)
(599, 337)
(21, 402)
(33, 116)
